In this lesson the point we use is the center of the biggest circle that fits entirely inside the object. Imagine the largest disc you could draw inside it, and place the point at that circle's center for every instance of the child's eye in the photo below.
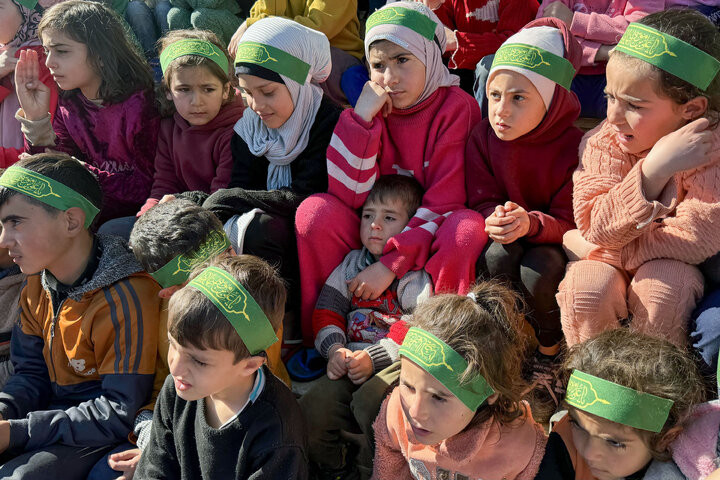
(366, 216)
(609, 98)
(210, 89)
(518, 98)
(632, 106)
(269, 94)
(615, 444)
(402, 59)
(438, 398)
(377, 66)
(495, 95)
(389, 219)
(409, 387)
(198, 362)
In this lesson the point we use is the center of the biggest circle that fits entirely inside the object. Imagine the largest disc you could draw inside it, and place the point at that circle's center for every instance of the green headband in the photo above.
(535, 59)
(193, 46)
(48, 191)
(406, 17)
(670, 54)
(446, 365)
(177, 270)
(617, 403)
(29, 4)
(273, 59)
(238, 306)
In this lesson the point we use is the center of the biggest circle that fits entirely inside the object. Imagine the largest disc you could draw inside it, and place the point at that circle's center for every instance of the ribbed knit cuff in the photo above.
(19, 434)
(579, 24)
(37, 132)
(638, 208)
(379, 356)
(327, 337)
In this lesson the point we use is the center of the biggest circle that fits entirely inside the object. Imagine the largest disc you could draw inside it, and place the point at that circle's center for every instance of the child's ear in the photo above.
(226, 91)
(251, 364)
(75, 217)
(669, 437)
(492, 398)
(694, 108)
(168, 95)
(168, 292)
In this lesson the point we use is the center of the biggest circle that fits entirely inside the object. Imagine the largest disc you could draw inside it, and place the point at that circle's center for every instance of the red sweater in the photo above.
(535, 171)
(481, 26)
(194, 157)
(426, 141)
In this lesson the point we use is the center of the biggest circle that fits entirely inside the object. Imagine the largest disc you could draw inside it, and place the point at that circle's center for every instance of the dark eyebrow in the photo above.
(11, 218)
(55, 45)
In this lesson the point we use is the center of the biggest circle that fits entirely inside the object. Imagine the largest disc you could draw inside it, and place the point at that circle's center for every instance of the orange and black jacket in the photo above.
(82, 373)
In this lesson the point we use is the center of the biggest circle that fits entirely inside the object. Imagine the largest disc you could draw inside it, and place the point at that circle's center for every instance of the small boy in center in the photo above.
(221, 414)
(355, 335)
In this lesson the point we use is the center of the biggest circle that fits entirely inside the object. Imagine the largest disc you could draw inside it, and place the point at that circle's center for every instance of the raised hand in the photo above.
(373, 98)
(7, 61)
(34, 96)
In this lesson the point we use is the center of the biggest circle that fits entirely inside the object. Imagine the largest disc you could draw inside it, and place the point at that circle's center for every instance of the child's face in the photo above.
(10, 21)
(398, 71)
(205, 373)
(270, 100)
(433, 412)
(69, 64)
(380, 221)
(515, 107)
(198, 95)
(35, 238)
(637, 113)
(611, 450)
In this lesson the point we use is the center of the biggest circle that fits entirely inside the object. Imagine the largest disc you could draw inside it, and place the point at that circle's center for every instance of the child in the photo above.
(476, 28)
(411, 119)
(281, 141)
(528, 205)
(597, 24)
(18, 32)
(457, 411)
(106, 116)
(627, 399)
(84, 349)
(194, 145)
(336, 20)
(221, 414)
(350, 332)
(646, 192)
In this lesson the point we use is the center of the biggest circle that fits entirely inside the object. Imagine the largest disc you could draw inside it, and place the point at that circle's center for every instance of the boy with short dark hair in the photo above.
(355, 334)
(84, 348)
(220, 413)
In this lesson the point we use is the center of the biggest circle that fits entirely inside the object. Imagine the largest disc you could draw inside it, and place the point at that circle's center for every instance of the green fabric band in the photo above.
(177, 270)
(238, 306)
(617, 403)
(534, 59)
(30, 4)
(406, 17)
(48, 191)
(273, 59)
(669, 54)
(193, 46)
(446, 365)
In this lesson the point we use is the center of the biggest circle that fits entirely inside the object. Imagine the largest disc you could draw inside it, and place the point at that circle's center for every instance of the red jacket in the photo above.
(481, 26)
(426, 141)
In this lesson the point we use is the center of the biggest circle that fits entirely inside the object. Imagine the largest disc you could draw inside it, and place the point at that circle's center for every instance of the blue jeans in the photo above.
(148, 24)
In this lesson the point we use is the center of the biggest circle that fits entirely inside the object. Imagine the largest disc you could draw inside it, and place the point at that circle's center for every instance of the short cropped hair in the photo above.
(170, 229)
(63, 168)
(402, 188)
(193, 320)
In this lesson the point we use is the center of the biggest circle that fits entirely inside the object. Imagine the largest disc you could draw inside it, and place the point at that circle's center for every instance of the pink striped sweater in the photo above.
(426, 141)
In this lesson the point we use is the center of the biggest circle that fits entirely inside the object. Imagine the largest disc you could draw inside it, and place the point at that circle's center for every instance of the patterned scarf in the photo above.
(28, 28)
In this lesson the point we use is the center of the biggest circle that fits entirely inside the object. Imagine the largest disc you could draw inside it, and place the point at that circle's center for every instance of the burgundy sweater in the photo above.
(535, 171)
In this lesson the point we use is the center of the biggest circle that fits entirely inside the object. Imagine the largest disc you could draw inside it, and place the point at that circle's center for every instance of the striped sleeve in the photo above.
(352, 158)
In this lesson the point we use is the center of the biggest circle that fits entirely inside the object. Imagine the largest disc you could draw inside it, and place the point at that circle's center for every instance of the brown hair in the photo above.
(486, 332)
(122, 70)
(694, 28)
(646, 364)
(193, 320)
(402, 188)
(167, 107)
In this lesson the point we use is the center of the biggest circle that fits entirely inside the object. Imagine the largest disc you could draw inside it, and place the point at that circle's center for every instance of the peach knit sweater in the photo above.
(646, 250)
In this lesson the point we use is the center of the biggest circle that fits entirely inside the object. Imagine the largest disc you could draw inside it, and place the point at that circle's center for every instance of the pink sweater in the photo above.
(426, 141)
(488, 450)
(603, 22)
(612, 212)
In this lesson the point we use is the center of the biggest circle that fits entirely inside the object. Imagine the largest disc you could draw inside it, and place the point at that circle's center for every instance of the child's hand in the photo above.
(507, 223)
(337, 362)
(7, 61)
(684, 149)
(575, 245)
(359, 366)
(125, 462)
(450, 40)
(371, 282)
(4, 435)
(34, 96)
(167, 198)
(560, 11)
(373, 98)
(235, 40)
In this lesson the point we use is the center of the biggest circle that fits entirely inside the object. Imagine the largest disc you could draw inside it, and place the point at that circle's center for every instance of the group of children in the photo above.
(374, 223)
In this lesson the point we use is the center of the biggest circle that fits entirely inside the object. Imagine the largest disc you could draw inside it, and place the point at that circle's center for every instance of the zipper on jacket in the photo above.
(53, 384)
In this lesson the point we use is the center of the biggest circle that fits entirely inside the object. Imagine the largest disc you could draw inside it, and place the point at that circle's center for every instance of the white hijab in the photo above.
(283, 145)
(428, 52)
